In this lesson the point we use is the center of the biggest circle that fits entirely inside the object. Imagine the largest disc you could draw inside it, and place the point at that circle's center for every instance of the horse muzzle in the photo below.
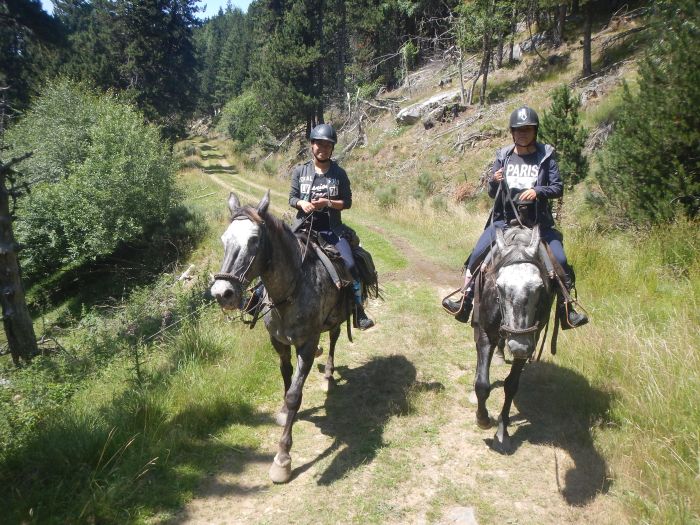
(521, 346)
(228, 294)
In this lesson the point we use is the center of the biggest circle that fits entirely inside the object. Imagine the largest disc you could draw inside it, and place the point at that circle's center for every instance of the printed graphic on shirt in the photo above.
(521, 172)
(324, 188)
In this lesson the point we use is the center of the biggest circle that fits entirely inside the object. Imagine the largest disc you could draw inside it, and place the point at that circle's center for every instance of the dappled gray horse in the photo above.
(513, 301)
(305, 302)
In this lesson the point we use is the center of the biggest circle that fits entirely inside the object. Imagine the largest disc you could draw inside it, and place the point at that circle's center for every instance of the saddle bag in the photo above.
(366, 271)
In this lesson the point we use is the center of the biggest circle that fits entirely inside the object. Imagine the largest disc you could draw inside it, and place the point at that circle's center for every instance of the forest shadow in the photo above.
(219, 169)
(358, 407)
(559, 408)
(537, 71)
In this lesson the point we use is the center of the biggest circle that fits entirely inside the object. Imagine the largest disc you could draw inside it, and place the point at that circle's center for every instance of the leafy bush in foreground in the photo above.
(104, 177)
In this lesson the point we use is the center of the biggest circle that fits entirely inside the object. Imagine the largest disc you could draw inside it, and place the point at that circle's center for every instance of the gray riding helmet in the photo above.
(324, 132)
(524, 116)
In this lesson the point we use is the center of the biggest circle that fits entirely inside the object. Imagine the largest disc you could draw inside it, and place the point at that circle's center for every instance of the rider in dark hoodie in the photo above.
(320, 190)
(528, 171)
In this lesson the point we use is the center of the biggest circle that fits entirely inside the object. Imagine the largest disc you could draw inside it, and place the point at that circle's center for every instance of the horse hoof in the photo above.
(281, 418)
(319, 351)
(484, 424)
(281, 471)
(502, 444)
(327, 384)
(472, 398)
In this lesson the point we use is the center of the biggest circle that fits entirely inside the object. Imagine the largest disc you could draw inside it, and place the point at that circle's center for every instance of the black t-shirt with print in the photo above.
(323, 188)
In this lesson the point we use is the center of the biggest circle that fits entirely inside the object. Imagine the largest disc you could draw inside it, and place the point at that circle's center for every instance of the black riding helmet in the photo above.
(524, 116)
(324, 132)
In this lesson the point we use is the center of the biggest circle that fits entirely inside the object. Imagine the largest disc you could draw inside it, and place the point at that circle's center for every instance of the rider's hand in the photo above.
(320, 203)
(306, 206)
(498, 176)
(528, 195)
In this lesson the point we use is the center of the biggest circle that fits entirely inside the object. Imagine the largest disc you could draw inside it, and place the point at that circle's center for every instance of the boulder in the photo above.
(413, 113)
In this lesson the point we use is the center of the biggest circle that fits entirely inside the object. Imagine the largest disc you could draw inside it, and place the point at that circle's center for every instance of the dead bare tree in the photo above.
(16, 320)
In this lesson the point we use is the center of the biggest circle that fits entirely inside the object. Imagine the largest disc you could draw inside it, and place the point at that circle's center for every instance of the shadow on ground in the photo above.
(559, 408)
(358, 407)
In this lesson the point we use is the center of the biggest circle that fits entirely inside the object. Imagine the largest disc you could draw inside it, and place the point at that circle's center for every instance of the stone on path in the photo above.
(460, 516)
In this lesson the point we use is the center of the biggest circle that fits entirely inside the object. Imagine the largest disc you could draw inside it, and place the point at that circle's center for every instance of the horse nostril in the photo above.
(228, 293)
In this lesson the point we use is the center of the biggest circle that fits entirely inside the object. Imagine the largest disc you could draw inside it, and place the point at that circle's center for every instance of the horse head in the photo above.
(521, 288)
(244, 251)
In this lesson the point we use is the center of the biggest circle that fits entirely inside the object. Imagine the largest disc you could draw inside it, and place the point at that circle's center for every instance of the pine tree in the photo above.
(560, 127)
(29, 38)
(650, 168)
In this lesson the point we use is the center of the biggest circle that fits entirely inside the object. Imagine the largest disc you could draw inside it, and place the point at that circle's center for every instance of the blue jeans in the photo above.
(549, 235)
(343, 247)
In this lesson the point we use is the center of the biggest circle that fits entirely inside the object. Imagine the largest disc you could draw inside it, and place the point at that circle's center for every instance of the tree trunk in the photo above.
(499, 58)
(561, 20)
(587, 27)
(513, 29)
(461, 76)
(485, 63)
(16, 320)
(341, 49)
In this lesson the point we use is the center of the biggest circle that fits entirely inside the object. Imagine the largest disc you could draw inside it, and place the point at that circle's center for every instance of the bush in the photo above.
(425, 186)
(386, 196)
(105, 177)
(560, 128)
(242, 119)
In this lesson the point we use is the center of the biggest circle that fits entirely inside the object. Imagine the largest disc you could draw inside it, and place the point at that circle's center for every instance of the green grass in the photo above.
(127, 449)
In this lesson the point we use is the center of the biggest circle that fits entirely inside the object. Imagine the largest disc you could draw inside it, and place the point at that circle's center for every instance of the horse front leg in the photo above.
(281, 469)
(285, 354)
(482, 385)
(330, 362)
(501, 440)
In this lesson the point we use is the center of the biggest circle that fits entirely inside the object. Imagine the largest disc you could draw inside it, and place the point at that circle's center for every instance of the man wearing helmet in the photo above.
(320, 191)
(528, 171)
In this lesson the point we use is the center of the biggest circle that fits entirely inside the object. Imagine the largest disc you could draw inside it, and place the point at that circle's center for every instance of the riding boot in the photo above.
(460, 309)
(361, 320)
(569, 317)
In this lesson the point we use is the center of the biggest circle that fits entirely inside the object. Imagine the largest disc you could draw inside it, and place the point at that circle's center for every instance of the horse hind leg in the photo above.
(330, 362)
(281, 468)
(501, 440)
(499, 357)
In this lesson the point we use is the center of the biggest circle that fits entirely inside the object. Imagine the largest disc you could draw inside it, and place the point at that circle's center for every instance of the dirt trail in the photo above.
(395, 440)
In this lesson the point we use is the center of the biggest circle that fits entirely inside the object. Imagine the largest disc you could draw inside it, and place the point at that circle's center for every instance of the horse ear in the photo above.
(233, 203)
(264, 203)
(500, 240)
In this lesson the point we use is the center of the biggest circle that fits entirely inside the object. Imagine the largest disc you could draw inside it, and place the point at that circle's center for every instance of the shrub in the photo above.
(242, 119)
(560, 127)
(386, 196)
(425, 186)
(104, 177)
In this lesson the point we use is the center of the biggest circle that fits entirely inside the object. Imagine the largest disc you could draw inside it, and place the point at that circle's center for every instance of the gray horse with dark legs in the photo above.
(305, 302)
(514, 299)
